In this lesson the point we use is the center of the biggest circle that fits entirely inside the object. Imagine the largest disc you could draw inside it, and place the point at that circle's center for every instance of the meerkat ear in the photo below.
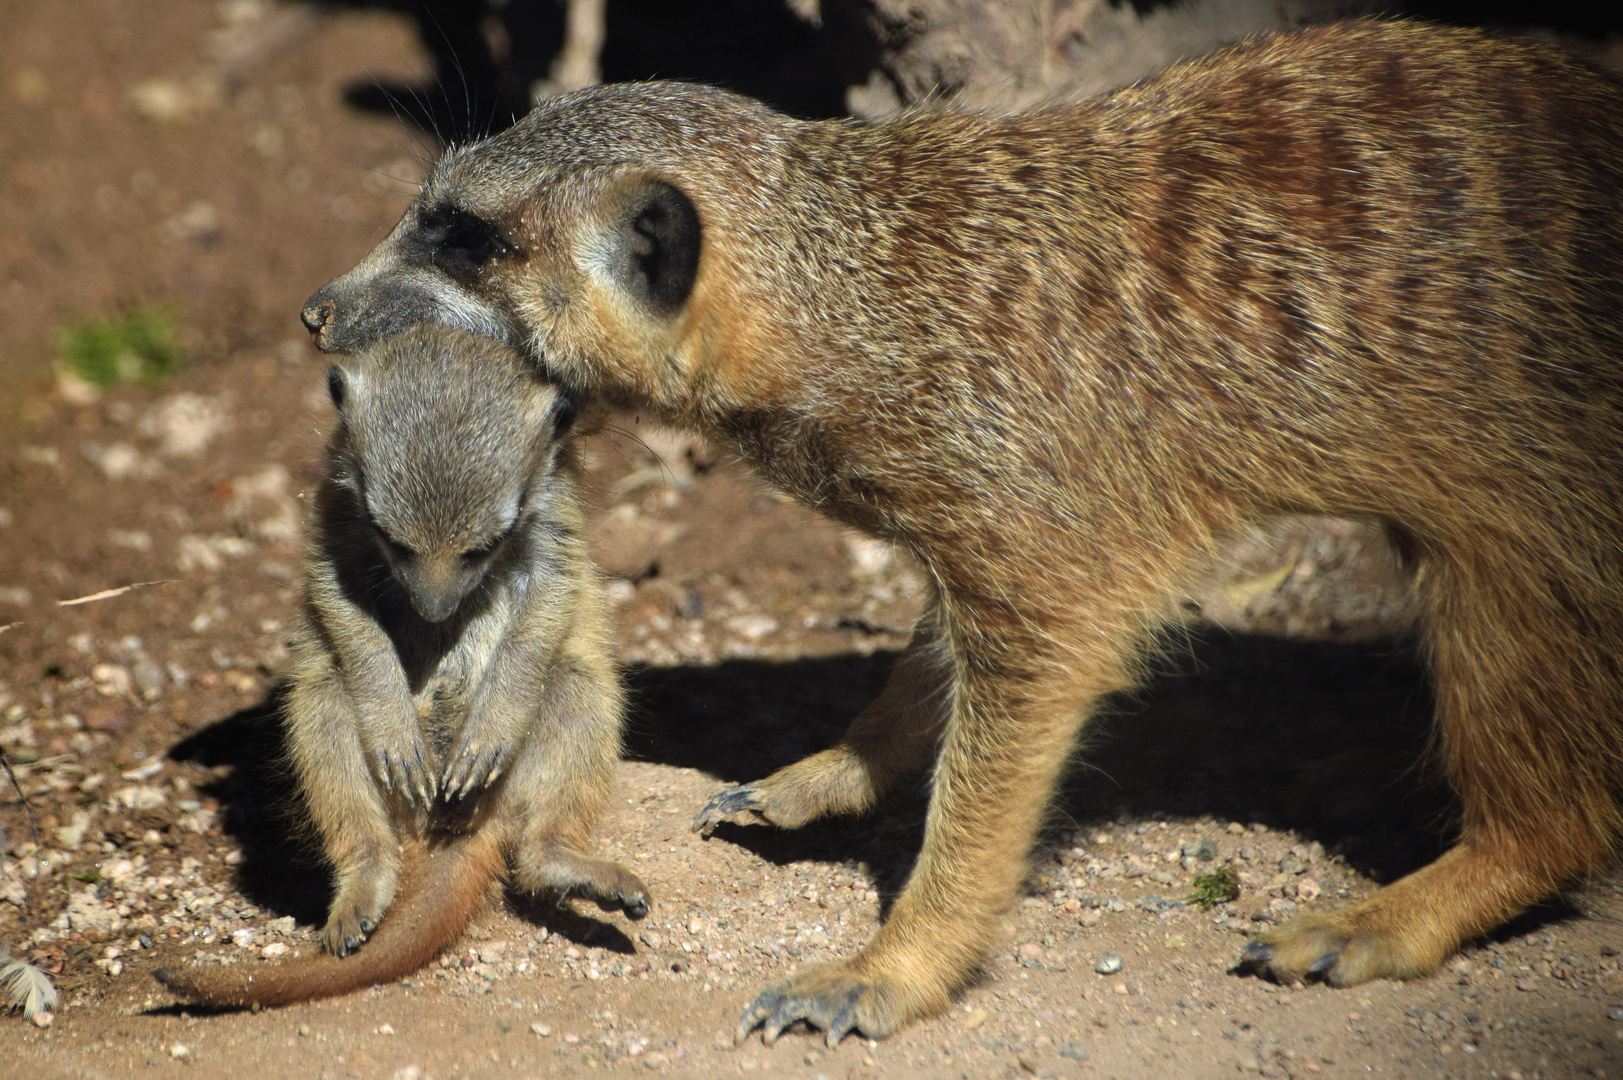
(563, 415)
(656, 254)
(336, 385)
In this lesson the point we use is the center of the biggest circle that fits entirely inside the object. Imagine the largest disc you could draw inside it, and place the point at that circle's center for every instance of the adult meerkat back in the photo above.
(453, 704)
(1365, 270)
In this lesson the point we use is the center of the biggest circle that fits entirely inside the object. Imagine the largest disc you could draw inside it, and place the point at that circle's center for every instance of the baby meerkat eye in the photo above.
(485, 551)
(394, 550)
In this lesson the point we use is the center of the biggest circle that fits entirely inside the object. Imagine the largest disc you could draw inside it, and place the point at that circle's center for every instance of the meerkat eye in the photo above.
(458, 242)
(485, 551)
(393, 549)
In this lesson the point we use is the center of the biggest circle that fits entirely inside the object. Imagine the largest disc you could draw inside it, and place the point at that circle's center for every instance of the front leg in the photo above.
(1014, 716)
(894, 737)
(507, 706)
(369, 666)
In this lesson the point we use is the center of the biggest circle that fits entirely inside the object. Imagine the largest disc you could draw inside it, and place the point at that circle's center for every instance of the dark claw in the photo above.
(785, 1012)
(752, 1017)
(634, 905)
(368, 924)
(1258, 953)
(1324, 963)
(723, 805)
(843, 1023)
(349, 944)
(776, 1012)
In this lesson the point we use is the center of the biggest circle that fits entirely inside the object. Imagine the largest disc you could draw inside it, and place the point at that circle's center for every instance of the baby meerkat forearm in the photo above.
(370, 667)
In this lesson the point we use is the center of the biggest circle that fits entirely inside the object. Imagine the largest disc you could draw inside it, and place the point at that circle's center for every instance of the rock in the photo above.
(752, 628)
(626, 544)
(541, 1029)
(199, 223)
(1074, 1051)
(184, 424)
(1108, 964)
(139, 797)
(72, 835)
(1307, 889)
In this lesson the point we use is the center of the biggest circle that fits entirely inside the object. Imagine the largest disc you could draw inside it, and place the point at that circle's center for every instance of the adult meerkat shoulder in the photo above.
(453, 704)
(1369, 270)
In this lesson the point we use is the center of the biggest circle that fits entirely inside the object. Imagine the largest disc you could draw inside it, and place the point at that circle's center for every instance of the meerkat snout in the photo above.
(438, 582)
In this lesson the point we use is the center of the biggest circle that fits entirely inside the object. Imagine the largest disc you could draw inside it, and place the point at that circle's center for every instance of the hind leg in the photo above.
(557, 787)
(895, 736)
(1528, 704)
(344, 804)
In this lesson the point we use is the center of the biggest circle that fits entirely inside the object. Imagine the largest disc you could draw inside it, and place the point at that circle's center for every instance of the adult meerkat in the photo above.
(453, 700)
(1368, 270)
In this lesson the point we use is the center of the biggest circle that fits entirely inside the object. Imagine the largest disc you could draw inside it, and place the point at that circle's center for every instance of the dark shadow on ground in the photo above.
(281, 870)
(1326, 739)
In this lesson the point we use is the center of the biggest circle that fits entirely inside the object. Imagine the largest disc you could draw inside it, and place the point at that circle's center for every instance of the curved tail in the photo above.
(439, 893)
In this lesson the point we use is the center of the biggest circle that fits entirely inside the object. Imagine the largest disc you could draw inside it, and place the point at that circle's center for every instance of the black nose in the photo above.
(317, 313)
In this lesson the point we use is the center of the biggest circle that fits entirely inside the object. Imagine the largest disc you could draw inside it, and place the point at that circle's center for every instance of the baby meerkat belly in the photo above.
(445, 698)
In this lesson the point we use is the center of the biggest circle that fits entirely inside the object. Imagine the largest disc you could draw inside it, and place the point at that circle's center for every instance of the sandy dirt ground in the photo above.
(149, 153)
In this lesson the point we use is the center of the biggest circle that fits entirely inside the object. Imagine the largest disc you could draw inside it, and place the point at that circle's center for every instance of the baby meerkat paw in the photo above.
(354, 915)
(406, 769)
(727, 806)
(607, 884)
(830, 997)
(474, 765)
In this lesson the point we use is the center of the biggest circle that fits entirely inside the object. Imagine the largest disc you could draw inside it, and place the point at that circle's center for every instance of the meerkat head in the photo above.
(447, 443)
(587, 236)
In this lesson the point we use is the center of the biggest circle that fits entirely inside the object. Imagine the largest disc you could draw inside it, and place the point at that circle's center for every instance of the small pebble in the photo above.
(1108, 964)
(385, 1029)
(541, 1029)
(1615, 1014)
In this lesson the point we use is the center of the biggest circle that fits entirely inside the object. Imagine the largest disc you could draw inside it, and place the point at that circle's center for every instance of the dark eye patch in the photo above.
(458, 242)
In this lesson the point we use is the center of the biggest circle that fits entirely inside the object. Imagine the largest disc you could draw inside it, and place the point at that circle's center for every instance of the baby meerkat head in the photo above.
(449, 444)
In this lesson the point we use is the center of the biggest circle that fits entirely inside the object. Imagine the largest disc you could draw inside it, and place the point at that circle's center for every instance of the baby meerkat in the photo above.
(453, 700)
(1372, 270)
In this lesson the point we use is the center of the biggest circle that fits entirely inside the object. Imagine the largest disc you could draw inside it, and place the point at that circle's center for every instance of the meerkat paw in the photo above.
(406, 768)
(834, 998)
(729, 805)
(607, 884)
(1343, 948)
(356, 912)
(474, 765)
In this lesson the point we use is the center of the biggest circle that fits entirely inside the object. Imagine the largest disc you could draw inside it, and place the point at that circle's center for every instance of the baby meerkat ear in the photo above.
(337, 384)
(656, 243)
